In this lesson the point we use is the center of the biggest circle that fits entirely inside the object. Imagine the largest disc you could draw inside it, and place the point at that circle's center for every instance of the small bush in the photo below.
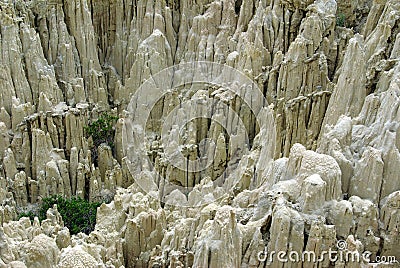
(341, 20)
(102, 131)
(79, 215)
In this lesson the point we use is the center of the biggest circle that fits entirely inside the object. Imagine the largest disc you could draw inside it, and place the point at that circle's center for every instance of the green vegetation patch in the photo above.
(79, 215)
(102, 130)
(341, 20)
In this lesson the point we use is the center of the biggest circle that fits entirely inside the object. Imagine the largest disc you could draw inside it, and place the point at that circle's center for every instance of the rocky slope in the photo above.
(285, 137)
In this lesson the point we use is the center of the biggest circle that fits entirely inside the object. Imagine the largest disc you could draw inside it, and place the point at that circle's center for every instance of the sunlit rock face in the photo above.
(245, 127)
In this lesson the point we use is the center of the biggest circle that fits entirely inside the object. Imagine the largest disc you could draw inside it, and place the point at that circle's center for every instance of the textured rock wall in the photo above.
(320, 167)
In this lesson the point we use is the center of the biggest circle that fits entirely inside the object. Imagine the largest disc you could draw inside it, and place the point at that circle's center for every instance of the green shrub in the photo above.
(102, 131)
(341, 20)
(79, 215)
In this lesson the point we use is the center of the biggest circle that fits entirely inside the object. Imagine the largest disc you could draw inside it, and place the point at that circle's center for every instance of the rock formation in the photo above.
(245, 128)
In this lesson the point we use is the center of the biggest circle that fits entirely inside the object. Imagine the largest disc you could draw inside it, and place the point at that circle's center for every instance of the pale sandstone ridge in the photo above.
(320, 165)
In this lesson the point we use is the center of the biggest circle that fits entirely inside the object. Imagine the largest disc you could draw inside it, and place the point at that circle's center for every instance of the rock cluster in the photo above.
(313, 163)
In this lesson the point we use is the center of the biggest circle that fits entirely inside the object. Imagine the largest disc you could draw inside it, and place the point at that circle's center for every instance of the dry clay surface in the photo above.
(322, 161)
